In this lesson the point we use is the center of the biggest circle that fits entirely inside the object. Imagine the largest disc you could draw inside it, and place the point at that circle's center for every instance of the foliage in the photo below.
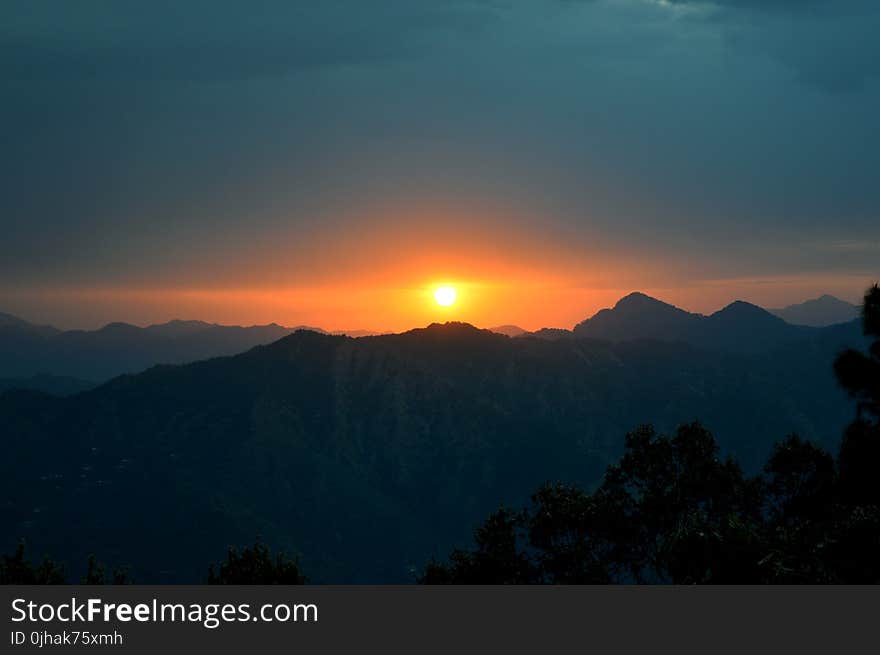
(367, 453)
(859, 373)
(672, 511)
(16, 569)
(256, 566)
(96, 573)
(363, 452)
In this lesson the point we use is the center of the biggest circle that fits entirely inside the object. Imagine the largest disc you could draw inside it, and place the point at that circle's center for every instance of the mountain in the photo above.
(738, 327)
(352, 333)
(549, 334)
(10, 323)
(27, 350)
(8, 320)
(742, 326)
(509, 330)
(818, 312)
(55, 385)
(178, 328)
(638, 316)
(368, 456)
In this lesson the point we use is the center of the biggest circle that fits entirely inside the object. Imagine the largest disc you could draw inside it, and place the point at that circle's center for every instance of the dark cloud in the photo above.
(768, 5)
(135, 132)
(220, 40)
(832, 45)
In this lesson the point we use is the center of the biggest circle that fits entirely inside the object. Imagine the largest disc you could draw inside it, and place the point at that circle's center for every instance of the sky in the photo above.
(330, 163)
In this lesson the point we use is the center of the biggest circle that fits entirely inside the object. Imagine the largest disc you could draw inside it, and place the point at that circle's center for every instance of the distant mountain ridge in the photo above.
(738, 327)
(369, 455)
(819, 312)
(28, 350)
(509, 330)
(10, 322)
(54, 385)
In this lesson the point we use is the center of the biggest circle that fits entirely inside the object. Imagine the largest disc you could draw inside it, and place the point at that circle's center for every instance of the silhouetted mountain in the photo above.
(353, 333)
(509, 330)
(117, 348)
(55, 385)
(178, 328)
(739, 327)
(638, 316)
(549, 334)
(8, 322)
(818, 312)
(742, 326)
(369, 455)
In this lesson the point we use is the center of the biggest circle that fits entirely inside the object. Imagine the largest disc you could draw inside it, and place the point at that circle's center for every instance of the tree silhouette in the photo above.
(96, 574)
(252, 565)
(16, 569)
(496, 559)
(255, 566)
(567, 531)
(800, 505)
(859, 373)
(857, 537)
(672, 511)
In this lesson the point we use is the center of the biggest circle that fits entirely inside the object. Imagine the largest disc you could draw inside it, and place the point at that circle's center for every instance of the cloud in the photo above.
(832, 45)
(150, 139)
(765, 5)
(222, 40)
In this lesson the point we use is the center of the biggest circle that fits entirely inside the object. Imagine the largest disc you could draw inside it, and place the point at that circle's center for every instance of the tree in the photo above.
(670, 511)
(800, 496)
(675, 512)
(566, 530)
(858, 372)
(16, 569)
(256, 566)
(96, 574)
(498, 557)
(857, 538)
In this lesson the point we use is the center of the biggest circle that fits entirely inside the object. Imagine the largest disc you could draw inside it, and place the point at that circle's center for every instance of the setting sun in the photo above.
(445, 296)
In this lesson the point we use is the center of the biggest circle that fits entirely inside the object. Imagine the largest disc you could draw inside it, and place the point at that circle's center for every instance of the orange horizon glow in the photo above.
(381, 272)
(486, 303)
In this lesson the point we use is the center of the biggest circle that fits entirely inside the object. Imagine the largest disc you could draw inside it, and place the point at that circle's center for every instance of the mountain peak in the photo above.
(743, 308)
(818, 312)
(509, 330)
(639, 299)
(550, 334)
(637, 316)
(7, 320)
(119, 326)
(177, 327)
(451, 330)
(10, 321)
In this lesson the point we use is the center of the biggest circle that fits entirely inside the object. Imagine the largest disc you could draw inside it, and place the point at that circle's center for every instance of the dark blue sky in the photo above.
(702, 150)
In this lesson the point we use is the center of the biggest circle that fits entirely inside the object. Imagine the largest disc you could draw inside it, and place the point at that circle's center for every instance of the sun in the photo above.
(445, 296)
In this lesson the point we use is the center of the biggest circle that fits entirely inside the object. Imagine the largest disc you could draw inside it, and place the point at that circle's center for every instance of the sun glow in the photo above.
(445, 296)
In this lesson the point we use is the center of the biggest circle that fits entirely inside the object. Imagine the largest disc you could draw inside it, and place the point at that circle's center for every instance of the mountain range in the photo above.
(638, 316)
(818, 312)
(739, 327)
(369, 456)
(32, 355)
